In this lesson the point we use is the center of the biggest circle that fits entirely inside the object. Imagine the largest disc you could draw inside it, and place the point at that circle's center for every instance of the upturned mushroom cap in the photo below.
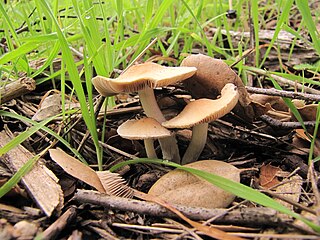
(181, 187)
(141, 75)
(211, 76)
(205, 110)
(144, 128)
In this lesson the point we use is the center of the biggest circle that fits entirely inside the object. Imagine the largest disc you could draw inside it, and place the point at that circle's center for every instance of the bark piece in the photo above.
(17, 89)
(40, 182)
(55, 228)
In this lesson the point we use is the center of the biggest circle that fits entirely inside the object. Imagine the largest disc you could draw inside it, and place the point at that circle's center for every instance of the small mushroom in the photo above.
(143, 78)
(198, 114)
(146, 129)
(211, 76)
(181, 187)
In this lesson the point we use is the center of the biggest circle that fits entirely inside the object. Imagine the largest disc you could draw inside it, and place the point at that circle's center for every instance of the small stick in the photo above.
(283, 80)
(55, 228)
(283, 93)
(285, 125)
(247, 216)
(16, 89)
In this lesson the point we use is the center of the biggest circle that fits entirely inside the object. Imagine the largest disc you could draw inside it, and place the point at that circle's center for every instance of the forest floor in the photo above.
(275, 153)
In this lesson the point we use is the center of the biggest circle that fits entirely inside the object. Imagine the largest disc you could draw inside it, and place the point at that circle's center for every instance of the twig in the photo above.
(248, 235)
(112, 148)
(313, 176)
(40, 182)
(283, 80)
(245, 216)
(55, 228)
(285, 125)
(283, 93)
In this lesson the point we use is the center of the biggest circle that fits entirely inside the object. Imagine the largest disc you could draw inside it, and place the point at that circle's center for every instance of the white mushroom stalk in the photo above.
(143, 78)
(198, 114)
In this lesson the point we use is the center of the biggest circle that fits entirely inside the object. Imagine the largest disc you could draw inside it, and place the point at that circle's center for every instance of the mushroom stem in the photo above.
(150, 106)
(197, 143)
(151, 152)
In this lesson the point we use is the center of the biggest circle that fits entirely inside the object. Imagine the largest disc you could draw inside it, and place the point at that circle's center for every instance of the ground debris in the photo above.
(40, 182)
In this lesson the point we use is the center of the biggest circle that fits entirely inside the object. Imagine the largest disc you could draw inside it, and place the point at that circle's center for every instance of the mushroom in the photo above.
(211, 76)
(182, 187)
(146, 129)
(197, 114)
(143, 78)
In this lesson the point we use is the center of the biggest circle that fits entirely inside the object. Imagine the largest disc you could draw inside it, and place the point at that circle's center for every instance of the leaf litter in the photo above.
(269, 156)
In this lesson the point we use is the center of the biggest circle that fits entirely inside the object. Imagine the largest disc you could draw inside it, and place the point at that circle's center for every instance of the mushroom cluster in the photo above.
(143, 78)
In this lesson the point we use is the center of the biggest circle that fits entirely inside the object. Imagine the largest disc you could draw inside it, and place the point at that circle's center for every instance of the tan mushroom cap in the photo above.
(141, 75)
(205, 110)
(144, 128)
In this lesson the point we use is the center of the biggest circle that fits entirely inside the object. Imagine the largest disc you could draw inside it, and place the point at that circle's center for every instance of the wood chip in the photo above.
(40, 182)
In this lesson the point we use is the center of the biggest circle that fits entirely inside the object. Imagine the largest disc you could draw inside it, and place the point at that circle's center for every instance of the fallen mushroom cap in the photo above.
(205, 110)
(211, 76)
(144, 128)
(140, 75)
(181, 187)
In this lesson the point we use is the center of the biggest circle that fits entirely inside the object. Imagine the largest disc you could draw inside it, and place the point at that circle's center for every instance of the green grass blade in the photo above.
(23, 136)
(291, 106)
(76, 81)
(14, 180)
(282, 19)
(53, 54)
(314, 137)
(256, 28)
(46, 129)
(9, 23)
(18, 52)
(303, 6)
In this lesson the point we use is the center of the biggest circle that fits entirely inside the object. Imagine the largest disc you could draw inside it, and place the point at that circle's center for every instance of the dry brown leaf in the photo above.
(302, 142)
(181, 187)
(268, 176)
(50, 106)
(275, 102)
(76, 169)
(291, 189)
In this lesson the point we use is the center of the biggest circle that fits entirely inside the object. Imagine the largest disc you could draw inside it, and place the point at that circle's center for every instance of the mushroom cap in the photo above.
(182, 187)
(141, 75)
(205, 110)
(211, 76)
(144, 128)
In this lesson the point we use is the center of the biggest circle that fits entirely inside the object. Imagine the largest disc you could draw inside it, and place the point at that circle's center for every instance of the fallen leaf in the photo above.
(291, 189)
(76, 169)
(51, 105)
(268, 176)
